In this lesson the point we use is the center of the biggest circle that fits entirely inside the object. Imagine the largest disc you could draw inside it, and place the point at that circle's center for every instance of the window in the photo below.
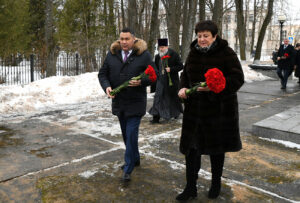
(227, 19)
(251, 18)
(284, 35)
(249, 33)
(208, 17)
(269, 34)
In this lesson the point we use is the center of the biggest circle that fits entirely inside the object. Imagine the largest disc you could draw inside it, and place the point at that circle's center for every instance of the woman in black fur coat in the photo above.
(210, 120)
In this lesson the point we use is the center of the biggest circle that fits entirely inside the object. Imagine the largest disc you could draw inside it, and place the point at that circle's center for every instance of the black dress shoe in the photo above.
(126, 177)
(188, 194)
(283, 88)
(137, 163)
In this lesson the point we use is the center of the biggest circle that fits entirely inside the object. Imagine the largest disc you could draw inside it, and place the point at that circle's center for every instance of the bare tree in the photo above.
(263, 30)
(140, 11)
(218, 14)
(154, 26)
(253, 26)
(173, 10)
(123, 14)
(201, 10)
(49, 39)
(189, 13)
(133, 15)
(241, 28)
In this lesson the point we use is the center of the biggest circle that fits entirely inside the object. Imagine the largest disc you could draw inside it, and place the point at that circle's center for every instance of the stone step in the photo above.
(282, 126)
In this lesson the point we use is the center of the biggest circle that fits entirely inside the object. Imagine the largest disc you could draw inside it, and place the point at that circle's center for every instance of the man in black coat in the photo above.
(166, 103)
(285, 62)
(128, 57)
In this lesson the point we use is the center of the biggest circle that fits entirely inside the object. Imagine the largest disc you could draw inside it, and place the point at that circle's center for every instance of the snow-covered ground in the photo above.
(66, 90)
(55, 92)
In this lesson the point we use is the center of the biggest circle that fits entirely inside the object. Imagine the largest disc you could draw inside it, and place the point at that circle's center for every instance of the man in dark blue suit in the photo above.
(285, 62)
(128, 57)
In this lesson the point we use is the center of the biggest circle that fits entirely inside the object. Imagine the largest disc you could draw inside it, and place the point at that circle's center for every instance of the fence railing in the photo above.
(24, 70)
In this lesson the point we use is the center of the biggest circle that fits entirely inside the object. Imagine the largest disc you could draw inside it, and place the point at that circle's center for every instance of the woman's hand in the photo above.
(181, 93)
(203, 89)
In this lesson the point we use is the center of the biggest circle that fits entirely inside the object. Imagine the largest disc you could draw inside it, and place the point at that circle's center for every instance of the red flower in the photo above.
(151, 73)
(165, 57)
(215, 80)
(286, 55)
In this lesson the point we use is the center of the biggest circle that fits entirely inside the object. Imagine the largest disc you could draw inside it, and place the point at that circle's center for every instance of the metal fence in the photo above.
(23, 70)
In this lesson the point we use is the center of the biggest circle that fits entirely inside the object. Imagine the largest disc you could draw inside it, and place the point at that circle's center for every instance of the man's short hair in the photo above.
(298, 45)
(127, 29)
(206, 25)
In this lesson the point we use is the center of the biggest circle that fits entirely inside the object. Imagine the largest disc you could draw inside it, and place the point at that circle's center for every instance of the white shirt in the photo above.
(123, 54)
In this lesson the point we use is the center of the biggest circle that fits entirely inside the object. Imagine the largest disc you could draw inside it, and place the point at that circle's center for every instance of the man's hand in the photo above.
(134, 83)
(278, 58)
(181, 93)
(108, 90)
(168, 69)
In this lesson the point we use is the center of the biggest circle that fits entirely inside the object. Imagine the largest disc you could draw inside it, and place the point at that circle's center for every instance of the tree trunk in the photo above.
(201, 10)
(253, 27)
(49, 39)
(133, 16)
(261, 13)
(123, 14)
(241, 28)
(173, 10)
(263, 30)
(218, 15)
(189, 13)
(153, 26)
(111, 20)
(246, 22)
(140, 24)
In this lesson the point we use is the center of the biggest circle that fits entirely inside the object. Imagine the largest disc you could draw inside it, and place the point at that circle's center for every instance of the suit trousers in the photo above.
(286, 73)
(130, 131)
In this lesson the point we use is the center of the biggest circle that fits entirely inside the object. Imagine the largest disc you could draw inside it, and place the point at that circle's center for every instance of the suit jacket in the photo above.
(289, 61)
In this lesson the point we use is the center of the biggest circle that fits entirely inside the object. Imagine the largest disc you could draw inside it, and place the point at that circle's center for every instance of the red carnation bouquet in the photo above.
(286, 55)
(215, 80)
(165, 61)
(149, 72)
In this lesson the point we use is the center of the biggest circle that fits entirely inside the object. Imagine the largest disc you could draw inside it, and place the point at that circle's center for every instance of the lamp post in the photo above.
(281, 20)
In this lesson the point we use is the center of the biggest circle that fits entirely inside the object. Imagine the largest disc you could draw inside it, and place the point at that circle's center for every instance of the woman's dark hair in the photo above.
(298, 45)
(206, 25)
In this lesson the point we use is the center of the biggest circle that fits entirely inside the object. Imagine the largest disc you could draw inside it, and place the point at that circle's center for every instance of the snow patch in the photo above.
(252, 75)
(285, 143)
(89, 173)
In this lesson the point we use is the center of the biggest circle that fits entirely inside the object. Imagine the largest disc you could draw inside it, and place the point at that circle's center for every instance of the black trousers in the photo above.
(193, 165)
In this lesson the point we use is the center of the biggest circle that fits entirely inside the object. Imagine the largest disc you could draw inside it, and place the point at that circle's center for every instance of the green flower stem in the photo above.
(194, 89)
(125, 84)
(170, 80)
